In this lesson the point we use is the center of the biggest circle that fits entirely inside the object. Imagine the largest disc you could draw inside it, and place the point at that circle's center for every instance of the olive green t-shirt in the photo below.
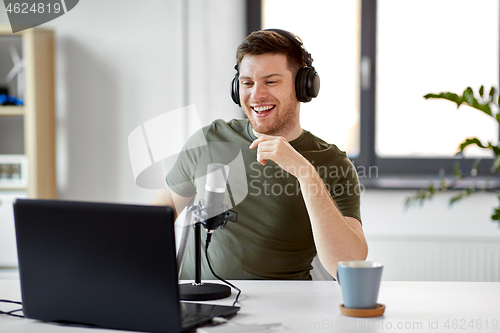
(272, 238)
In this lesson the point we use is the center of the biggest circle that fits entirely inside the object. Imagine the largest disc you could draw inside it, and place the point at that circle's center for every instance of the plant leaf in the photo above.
(475, 165)
(496, 164)
(492, 94)
(477, 142)
(467, 98)
(496, 213)
(473, 141)
(456, 198)
(448, 96)
(458, 172)
(462, 194)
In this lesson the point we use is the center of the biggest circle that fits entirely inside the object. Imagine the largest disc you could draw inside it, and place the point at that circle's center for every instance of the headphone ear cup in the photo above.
(306, 84)
(313, 84)
(235, 89)
(301, 85)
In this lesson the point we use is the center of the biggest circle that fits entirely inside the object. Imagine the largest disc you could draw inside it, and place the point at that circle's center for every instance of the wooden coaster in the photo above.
(378, 311)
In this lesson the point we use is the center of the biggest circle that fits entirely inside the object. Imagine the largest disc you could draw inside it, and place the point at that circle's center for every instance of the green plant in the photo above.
(490, 106)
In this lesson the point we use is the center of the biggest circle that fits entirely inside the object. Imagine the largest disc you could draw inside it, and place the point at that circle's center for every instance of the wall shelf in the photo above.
(11, 111)
(38, 111)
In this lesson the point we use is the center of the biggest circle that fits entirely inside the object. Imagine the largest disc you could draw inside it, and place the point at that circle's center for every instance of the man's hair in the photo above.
(262, 42)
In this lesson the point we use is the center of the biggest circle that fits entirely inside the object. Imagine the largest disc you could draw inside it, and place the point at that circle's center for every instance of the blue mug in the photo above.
(360, 283)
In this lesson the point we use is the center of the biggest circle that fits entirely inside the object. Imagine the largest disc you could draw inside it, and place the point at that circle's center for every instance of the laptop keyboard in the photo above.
(199, 314)
(190, 319)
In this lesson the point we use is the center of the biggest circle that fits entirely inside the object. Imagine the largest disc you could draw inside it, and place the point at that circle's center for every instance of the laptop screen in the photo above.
(108, 265)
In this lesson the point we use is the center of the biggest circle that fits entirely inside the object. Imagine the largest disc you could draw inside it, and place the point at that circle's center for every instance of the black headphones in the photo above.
(307, 79)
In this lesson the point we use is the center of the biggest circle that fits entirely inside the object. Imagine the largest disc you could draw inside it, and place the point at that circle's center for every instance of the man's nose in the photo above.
(260, 92)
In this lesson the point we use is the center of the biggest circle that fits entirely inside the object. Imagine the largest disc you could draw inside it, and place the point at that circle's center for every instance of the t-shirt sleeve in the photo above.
(345, 188)
(181, 178)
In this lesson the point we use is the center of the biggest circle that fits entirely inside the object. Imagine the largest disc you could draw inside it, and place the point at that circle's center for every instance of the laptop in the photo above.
(103, 265)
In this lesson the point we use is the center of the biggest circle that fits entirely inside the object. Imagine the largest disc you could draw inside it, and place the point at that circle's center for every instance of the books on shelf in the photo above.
(13, 172)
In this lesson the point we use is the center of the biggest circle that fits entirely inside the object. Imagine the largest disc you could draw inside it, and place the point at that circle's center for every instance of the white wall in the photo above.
(384, 215)
(434, 241)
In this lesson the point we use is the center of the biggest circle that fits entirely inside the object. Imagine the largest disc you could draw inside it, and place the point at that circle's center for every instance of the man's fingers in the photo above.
(262, 157)
(263, 138)
(256, 142)
(267, 148)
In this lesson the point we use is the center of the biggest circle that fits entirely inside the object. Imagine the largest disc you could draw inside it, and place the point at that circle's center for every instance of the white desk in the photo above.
(307, 306)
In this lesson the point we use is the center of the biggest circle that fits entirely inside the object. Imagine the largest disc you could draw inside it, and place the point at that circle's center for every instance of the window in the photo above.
(444, 45)
(393, 52)
(333, 41)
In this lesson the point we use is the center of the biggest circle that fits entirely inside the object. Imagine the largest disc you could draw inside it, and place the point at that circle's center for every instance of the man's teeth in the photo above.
(263, 108)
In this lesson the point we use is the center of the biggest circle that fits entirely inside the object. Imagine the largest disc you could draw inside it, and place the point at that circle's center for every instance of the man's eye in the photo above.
(246, 83)
(271, 82)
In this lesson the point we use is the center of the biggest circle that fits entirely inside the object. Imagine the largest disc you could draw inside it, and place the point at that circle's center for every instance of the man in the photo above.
(303, 195)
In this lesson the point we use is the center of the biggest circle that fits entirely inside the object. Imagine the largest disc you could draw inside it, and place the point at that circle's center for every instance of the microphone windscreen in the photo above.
(217, 174)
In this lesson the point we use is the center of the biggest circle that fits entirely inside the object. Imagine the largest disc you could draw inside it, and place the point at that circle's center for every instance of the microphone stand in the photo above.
(197, 290)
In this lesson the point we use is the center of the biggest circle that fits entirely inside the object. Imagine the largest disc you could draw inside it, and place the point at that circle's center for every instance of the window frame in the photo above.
(388, 172)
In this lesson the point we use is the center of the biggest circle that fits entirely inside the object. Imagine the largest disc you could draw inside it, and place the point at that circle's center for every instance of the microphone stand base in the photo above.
(203, 291)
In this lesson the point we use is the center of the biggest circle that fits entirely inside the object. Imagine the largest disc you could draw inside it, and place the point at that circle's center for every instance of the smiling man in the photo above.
(304, 194)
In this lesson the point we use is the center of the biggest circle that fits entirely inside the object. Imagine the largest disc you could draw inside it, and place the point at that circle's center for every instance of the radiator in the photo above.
(436, 258)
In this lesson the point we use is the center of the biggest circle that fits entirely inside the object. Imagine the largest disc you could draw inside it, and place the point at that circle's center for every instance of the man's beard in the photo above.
(283, 122)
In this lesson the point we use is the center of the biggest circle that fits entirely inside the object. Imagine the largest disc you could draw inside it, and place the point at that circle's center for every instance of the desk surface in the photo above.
(313, 306)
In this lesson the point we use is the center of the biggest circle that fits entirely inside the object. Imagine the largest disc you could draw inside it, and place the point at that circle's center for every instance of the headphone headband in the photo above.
(295, 40)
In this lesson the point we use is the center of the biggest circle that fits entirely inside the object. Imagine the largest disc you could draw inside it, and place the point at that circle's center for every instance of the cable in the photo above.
(11, 313)
(13, 302)
(207, 242)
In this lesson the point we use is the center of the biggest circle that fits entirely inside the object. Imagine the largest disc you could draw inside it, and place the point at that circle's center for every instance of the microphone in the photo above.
(212, 213)
(215, 189)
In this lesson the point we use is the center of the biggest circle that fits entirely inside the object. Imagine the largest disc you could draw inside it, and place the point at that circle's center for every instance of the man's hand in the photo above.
(277, 149)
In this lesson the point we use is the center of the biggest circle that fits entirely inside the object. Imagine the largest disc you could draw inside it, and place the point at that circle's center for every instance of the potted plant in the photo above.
(490, 106)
